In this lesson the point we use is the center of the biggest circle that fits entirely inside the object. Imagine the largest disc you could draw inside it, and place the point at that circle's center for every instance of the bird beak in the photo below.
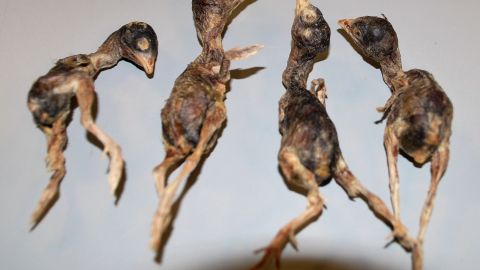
(345, 24)
(301, 5)
(148, 65)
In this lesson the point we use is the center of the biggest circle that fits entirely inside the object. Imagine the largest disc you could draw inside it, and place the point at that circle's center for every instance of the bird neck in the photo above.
(391, 68)
(212, 52)
(108, 54)
(298, 68)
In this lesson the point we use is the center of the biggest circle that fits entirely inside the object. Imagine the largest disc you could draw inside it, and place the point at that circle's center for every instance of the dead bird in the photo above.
(195, 112)
(50, 101)
(310, 154)
(419, 113)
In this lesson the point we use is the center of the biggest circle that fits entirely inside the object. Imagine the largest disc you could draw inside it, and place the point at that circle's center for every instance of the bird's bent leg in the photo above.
(391, 149)
(438, 167)
(355, 189)
(85, 97)
(293, 169)
(214, 119)
(169, 163)
(57, 140)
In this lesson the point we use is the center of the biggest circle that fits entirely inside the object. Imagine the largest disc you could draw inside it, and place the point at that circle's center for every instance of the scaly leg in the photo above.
(391, 148)
(57, 140)
(296, 174)
(355, 189)
(85, 97)
(161, 171)
(438, 167)
(213, 122)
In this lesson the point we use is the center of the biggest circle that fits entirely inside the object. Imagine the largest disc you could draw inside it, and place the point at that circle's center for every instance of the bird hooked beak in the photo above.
(345, 24)
(147, 63)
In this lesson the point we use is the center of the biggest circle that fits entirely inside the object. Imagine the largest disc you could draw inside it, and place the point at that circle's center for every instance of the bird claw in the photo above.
(115, 168)
(390, 238)
(293, 240)
(269, 252)
(105, 153)
(396, 234)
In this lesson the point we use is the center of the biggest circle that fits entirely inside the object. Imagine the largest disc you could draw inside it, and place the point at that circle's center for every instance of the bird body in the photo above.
(195, 112)
(307, 130)
(195, 91)
(310, 154)
(419, 114)
(51, 97)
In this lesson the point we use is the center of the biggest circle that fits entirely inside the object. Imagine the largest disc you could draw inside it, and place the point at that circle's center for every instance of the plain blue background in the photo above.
(239, 201)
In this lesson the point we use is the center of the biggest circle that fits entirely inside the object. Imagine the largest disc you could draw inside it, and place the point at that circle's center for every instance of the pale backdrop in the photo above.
(239, 200)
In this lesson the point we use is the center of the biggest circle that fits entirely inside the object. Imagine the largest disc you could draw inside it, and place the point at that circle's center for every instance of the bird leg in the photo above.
(438, 167)
(294, 172)
(169, 163)
(213, 122)
(391, 148)
(85, 97)
(57, 140)
(355, 189)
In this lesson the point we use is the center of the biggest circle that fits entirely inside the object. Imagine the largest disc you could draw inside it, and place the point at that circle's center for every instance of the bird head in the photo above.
(138, 43)
(310, 30)
(375, 36)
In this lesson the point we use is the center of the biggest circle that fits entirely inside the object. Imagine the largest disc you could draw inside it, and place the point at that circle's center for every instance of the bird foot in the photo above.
(160, 225)
(115, 170)
(293, 240)
(400, 235)
(270, 252)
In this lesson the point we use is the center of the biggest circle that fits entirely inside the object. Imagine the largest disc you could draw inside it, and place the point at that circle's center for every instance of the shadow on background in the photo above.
(337, 263)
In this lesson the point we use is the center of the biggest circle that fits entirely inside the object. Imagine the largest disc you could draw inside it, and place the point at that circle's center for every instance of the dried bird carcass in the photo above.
(50, 101)
(419, 113)
(310, 154)
(195, 111)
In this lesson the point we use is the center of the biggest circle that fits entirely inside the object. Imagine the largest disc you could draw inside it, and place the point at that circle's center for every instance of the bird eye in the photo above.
(377, 33)
(143, 44)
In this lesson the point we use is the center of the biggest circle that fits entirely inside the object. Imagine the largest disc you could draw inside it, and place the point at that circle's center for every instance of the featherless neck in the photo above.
(298, 68)
(108, 54)
(392, 70)
(102, 60)
(212, 52)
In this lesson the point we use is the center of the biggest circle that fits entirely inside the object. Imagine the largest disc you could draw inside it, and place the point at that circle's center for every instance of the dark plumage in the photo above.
(310, 154)
(195, 111)
(50, 100)
(419, 113)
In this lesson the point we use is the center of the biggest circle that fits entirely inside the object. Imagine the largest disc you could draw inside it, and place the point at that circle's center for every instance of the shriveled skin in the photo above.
(194, 92)
(419, 114)
(195, 111)
(313, 139)
(50, 101)
(310, 154)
